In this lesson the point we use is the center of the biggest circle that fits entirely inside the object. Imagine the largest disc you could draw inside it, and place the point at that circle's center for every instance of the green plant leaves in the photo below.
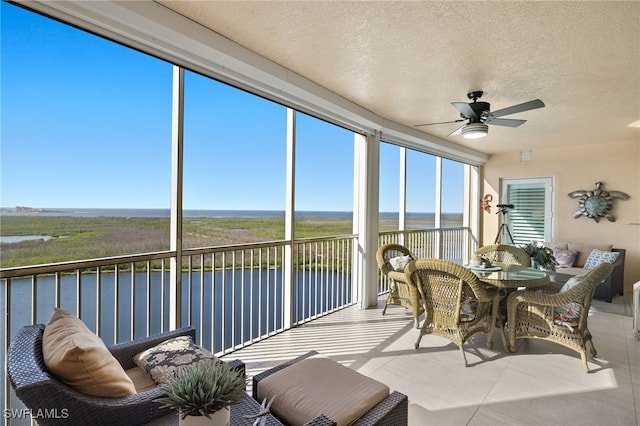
(203, 388)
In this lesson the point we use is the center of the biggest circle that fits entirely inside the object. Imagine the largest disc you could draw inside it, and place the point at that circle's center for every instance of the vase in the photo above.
(219, 418)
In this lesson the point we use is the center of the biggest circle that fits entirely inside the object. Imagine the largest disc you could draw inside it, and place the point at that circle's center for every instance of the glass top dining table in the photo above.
(512, 276)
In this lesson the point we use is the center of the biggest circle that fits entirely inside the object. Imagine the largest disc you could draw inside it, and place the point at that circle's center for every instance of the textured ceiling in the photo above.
(407, 61)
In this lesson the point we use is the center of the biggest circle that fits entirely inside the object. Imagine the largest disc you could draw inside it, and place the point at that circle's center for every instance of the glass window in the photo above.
(86, 144)
(324, 178)
(234, 165)
(389, 187)
(452, 194)
(421, 190)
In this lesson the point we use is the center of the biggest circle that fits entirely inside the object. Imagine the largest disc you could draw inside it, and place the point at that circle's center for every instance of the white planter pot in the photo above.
(219, 418)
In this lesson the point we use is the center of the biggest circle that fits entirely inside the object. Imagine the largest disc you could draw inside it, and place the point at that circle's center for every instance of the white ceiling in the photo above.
(407, 61)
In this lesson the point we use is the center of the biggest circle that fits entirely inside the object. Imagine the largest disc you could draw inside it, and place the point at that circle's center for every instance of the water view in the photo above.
(235, 307)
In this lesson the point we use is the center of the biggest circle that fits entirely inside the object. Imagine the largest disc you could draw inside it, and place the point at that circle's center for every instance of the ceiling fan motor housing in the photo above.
(481, 109)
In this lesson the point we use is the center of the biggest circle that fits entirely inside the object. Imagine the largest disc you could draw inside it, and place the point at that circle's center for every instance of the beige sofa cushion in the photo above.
(80, 359)
(556, 245)
(319, 385)
(584, 250)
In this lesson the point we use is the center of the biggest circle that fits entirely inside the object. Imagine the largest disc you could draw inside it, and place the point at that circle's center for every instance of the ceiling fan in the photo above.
(480, 116)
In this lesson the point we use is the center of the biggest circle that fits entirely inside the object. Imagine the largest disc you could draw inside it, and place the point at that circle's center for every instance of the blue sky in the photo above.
(87, 123)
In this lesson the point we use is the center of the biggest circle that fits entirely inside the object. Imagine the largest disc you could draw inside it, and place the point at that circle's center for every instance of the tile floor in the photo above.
(541, 384)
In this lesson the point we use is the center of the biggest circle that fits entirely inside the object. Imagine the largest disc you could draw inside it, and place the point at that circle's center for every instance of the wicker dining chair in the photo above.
(456, 303)
(541, 314)
(504, 254)
(400, 292)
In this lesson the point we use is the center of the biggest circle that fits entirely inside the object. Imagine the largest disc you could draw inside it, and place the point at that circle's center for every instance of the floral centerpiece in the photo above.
(541, 257)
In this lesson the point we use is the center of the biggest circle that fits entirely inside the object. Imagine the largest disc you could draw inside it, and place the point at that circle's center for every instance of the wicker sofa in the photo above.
(38, 389)
(611, 286)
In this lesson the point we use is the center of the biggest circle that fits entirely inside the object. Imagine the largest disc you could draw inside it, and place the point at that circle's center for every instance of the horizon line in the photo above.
(53, 209)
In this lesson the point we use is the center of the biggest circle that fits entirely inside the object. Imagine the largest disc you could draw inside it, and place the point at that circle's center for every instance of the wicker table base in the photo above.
(248, 406)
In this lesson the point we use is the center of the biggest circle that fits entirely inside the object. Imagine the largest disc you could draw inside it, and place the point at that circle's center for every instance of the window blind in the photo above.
(526, 220)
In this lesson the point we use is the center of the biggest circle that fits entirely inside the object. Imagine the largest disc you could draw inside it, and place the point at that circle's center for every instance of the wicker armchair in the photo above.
(505, 254)
(532, 314)
(400, 292)
(448, 291)
(38, 389)
(391, 411)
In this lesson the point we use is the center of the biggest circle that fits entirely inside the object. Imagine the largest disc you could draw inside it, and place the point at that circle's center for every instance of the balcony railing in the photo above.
(233, 295)
(454, 244)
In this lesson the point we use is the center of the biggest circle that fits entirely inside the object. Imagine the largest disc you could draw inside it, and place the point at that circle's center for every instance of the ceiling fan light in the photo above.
(475, 131)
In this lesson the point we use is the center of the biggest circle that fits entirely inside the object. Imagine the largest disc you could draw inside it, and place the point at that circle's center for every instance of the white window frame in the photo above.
(505, 183)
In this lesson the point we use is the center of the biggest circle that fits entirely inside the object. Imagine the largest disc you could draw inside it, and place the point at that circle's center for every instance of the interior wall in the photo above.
(617, 165)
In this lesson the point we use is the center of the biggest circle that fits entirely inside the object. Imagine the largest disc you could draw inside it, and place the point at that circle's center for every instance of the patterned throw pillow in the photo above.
(598, 256)
(571, 282)
(468, 310)
(569, 314)
(564, 257)
(398, 263)
(162, 361)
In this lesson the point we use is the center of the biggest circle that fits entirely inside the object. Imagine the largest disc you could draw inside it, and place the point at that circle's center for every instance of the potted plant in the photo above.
(202, 393)
(541, 257)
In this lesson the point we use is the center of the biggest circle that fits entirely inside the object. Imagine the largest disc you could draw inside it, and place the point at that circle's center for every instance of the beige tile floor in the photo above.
(541, 384)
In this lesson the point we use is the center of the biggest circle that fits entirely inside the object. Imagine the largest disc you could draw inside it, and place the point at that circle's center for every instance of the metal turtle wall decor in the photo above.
(596, 203)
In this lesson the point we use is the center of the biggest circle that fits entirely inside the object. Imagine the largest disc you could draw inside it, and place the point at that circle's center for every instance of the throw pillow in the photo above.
(569, 314)
(162, 361)
(79, 358)
(564, 257)
(598, 256)
(584, 250)
(571, 282)
(398, 263)
(468, 310)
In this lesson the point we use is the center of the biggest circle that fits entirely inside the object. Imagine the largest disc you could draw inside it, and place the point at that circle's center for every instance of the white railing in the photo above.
(233, 295)
(454, 244)
(126, 297)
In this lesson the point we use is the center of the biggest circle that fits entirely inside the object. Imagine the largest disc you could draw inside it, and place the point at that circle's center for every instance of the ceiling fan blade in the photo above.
(536, 103)
(440, 122)
(507, 122)
(465, 109)
(456, 132)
